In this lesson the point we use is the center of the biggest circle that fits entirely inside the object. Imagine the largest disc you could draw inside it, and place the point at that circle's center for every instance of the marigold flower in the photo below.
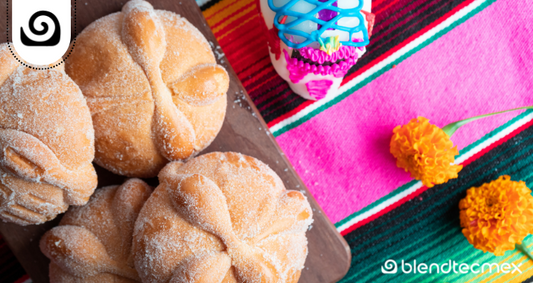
(425, 151)
(497, 215)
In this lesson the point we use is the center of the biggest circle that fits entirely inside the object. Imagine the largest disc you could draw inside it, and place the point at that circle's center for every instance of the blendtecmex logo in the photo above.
(390, 266)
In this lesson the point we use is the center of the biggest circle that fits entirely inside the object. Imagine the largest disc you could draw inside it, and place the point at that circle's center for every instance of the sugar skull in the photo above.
(313, 43)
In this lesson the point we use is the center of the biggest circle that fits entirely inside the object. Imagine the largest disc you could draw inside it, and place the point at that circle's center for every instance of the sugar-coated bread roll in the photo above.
(46, 143)
(93, 242)
(221, 217)
(154, 88)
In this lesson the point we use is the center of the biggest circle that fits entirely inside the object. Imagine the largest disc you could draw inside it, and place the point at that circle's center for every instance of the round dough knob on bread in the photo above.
(46, 143)
(221, 217)
(153, 86)
(93, 243)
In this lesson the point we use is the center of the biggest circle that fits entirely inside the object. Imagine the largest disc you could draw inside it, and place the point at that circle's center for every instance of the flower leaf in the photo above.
(451, 128)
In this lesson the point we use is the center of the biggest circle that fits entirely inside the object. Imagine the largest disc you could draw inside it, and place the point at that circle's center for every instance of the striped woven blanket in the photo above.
(422, 226)
(445, 60)
(441, 59)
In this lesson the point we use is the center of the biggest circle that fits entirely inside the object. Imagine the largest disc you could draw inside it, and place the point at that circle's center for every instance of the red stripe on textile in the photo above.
(243, 44)
(260, 71)
(377, 60)
(259, 78)
(405, 42)
(232, 39)
(261, 82)
(233, 15)
(388, 18)
(221, 9)
(236, 53)
(275, 87)
(22, 279)
(261, 86)
(384, 211)
(290, 113)
(377, 8)
(272, 110)
(397, 32)
(376, 3)
(252, 66)
(424, 188)
(394, 49)
(497, 143)
(246, 58)
(234, 24)
(253, 48)
(256, 72)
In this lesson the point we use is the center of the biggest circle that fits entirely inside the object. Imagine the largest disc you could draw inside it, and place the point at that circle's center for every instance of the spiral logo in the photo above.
(389, 267)
(41, 31)
(44, 29)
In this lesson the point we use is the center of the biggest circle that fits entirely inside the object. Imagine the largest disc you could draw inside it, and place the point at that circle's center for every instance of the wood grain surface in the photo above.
(243, 131)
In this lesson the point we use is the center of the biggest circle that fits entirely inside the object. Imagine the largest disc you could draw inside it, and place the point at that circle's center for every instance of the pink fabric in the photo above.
(483, 65)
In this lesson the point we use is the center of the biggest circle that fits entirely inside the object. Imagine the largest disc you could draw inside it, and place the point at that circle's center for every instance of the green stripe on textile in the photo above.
(464, 253)
(380, 71)
(444, 187)
(412, 183)
(429, 230)
(441, 212)
(403, 252)
(494, 132)
(376, 203)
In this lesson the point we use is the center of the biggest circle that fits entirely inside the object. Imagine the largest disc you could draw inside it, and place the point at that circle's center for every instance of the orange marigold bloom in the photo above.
(425, 151)
(497, 215)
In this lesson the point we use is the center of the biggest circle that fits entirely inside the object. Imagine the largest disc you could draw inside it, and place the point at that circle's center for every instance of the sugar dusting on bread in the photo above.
(46, 143)
(154, 96)
(183, 222)
(140, 121)
(49, 106)
(93, 242)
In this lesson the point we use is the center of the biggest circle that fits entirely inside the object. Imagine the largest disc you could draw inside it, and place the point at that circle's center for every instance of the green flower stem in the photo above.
(524, 249)
(451, 128)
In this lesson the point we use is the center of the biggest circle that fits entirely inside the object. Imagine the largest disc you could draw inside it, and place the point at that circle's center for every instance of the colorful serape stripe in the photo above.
(402, 28)
(415, 188)
(481, 66)
(389, 47)
(466, 69)
(425, 225)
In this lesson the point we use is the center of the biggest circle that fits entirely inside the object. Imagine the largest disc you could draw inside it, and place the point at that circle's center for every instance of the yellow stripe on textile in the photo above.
(233, 19)
(219, 37)
(493, 277)
(229, 11)
(220, 6)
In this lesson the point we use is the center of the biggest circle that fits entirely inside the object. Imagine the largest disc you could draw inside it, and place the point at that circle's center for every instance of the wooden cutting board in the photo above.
(243, 131)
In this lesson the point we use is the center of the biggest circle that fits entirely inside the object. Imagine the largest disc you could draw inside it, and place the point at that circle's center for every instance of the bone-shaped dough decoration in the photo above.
(154, 88)
(200, 225)
(93, 243)
(46, 143)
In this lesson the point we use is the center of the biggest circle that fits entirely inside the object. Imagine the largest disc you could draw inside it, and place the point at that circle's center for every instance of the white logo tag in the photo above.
(389, 267)
(41, 30)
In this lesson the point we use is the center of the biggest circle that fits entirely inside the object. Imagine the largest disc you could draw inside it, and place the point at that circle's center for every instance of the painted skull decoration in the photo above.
(313, 43)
